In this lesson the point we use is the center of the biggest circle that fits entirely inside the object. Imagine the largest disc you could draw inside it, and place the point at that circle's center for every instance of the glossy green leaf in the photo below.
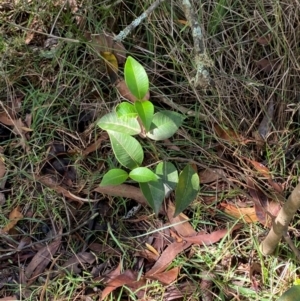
(164, 125)
(168, 174)
(142, 175)
(186, 189)
(154, 193)
(111, 122)
(136, 78)
(291, 294)
(127, 149)
(145, 110)
(115, 176)
(126, 109)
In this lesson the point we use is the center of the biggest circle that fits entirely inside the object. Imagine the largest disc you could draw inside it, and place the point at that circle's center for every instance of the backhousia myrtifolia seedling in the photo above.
(128, 120)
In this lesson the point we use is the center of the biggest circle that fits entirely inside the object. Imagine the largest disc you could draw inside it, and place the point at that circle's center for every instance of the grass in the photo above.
(64, 89)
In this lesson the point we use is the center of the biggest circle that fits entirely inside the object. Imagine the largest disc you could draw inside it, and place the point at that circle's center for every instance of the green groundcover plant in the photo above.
(128, 120)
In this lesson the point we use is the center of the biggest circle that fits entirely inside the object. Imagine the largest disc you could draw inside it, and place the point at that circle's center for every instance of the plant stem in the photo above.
(281, 222)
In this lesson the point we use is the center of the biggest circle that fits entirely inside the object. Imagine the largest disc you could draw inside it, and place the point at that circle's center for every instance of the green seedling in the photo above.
(128, 120)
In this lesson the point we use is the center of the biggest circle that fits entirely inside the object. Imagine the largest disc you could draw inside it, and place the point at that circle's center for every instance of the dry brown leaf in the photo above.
(124, 91)
(128, 278)
(167, 277)
(96, 145)
(125, 191)
(168, 255)
(77, 262)
(210, 175)
(264, 40)
(183, 229)
(12, 298)
(51, 183)
(103, 248)
(105, 43)
(150, 256)
(263, 170)
(265, 209)
(247, 214)
(40, 261)
(228, 135)
(211, 238)
(267, 65)
(14, 217)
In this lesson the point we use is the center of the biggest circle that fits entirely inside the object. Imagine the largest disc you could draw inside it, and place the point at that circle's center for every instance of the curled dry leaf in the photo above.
(14, 217)
(228, 135)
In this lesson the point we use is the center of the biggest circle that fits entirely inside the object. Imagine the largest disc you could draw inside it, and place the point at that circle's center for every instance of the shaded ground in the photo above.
(62, 239)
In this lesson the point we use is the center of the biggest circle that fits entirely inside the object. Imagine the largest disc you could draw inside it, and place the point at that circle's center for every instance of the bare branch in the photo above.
(202, 61)
(124, 33)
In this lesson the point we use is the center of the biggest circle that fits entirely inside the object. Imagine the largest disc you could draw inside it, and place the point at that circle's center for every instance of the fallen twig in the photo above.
(124, 33)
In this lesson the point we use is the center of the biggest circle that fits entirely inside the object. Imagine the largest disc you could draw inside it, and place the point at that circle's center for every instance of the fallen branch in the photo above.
(202, 61)
(124, 33)
(280, 224)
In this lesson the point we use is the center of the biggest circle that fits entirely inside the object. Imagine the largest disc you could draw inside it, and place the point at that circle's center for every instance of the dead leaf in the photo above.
(263, 170)
(150, 256)
(12, 298)
(96, 145)
(265, 125)
(264, 208)
(77, 262)
(103, 248)
(104, 42)
(210, 175)
(14, 217)
(267, 65)
(51, 183)
(151, 249)
(264, 40)
(167, 256)
(128, 278)
(228, 135)
(166, 278)
(183, 229)
(247, 214)
(124, 91)
(211, 238)
(255, 269)
(125, 191)
(40, 261)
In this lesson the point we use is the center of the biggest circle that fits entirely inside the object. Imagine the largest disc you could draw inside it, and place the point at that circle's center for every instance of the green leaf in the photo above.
(136, 78)
(115, 176)
(126, 109)
(127, 149)
(164, 125)
(186, 189)
(145, 110)
(142, 175)
(154, 193)
(168, 174)
(111, 122)
(291, 294)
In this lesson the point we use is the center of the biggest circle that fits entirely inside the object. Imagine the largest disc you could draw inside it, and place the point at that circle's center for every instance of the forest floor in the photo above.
(64, 238)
